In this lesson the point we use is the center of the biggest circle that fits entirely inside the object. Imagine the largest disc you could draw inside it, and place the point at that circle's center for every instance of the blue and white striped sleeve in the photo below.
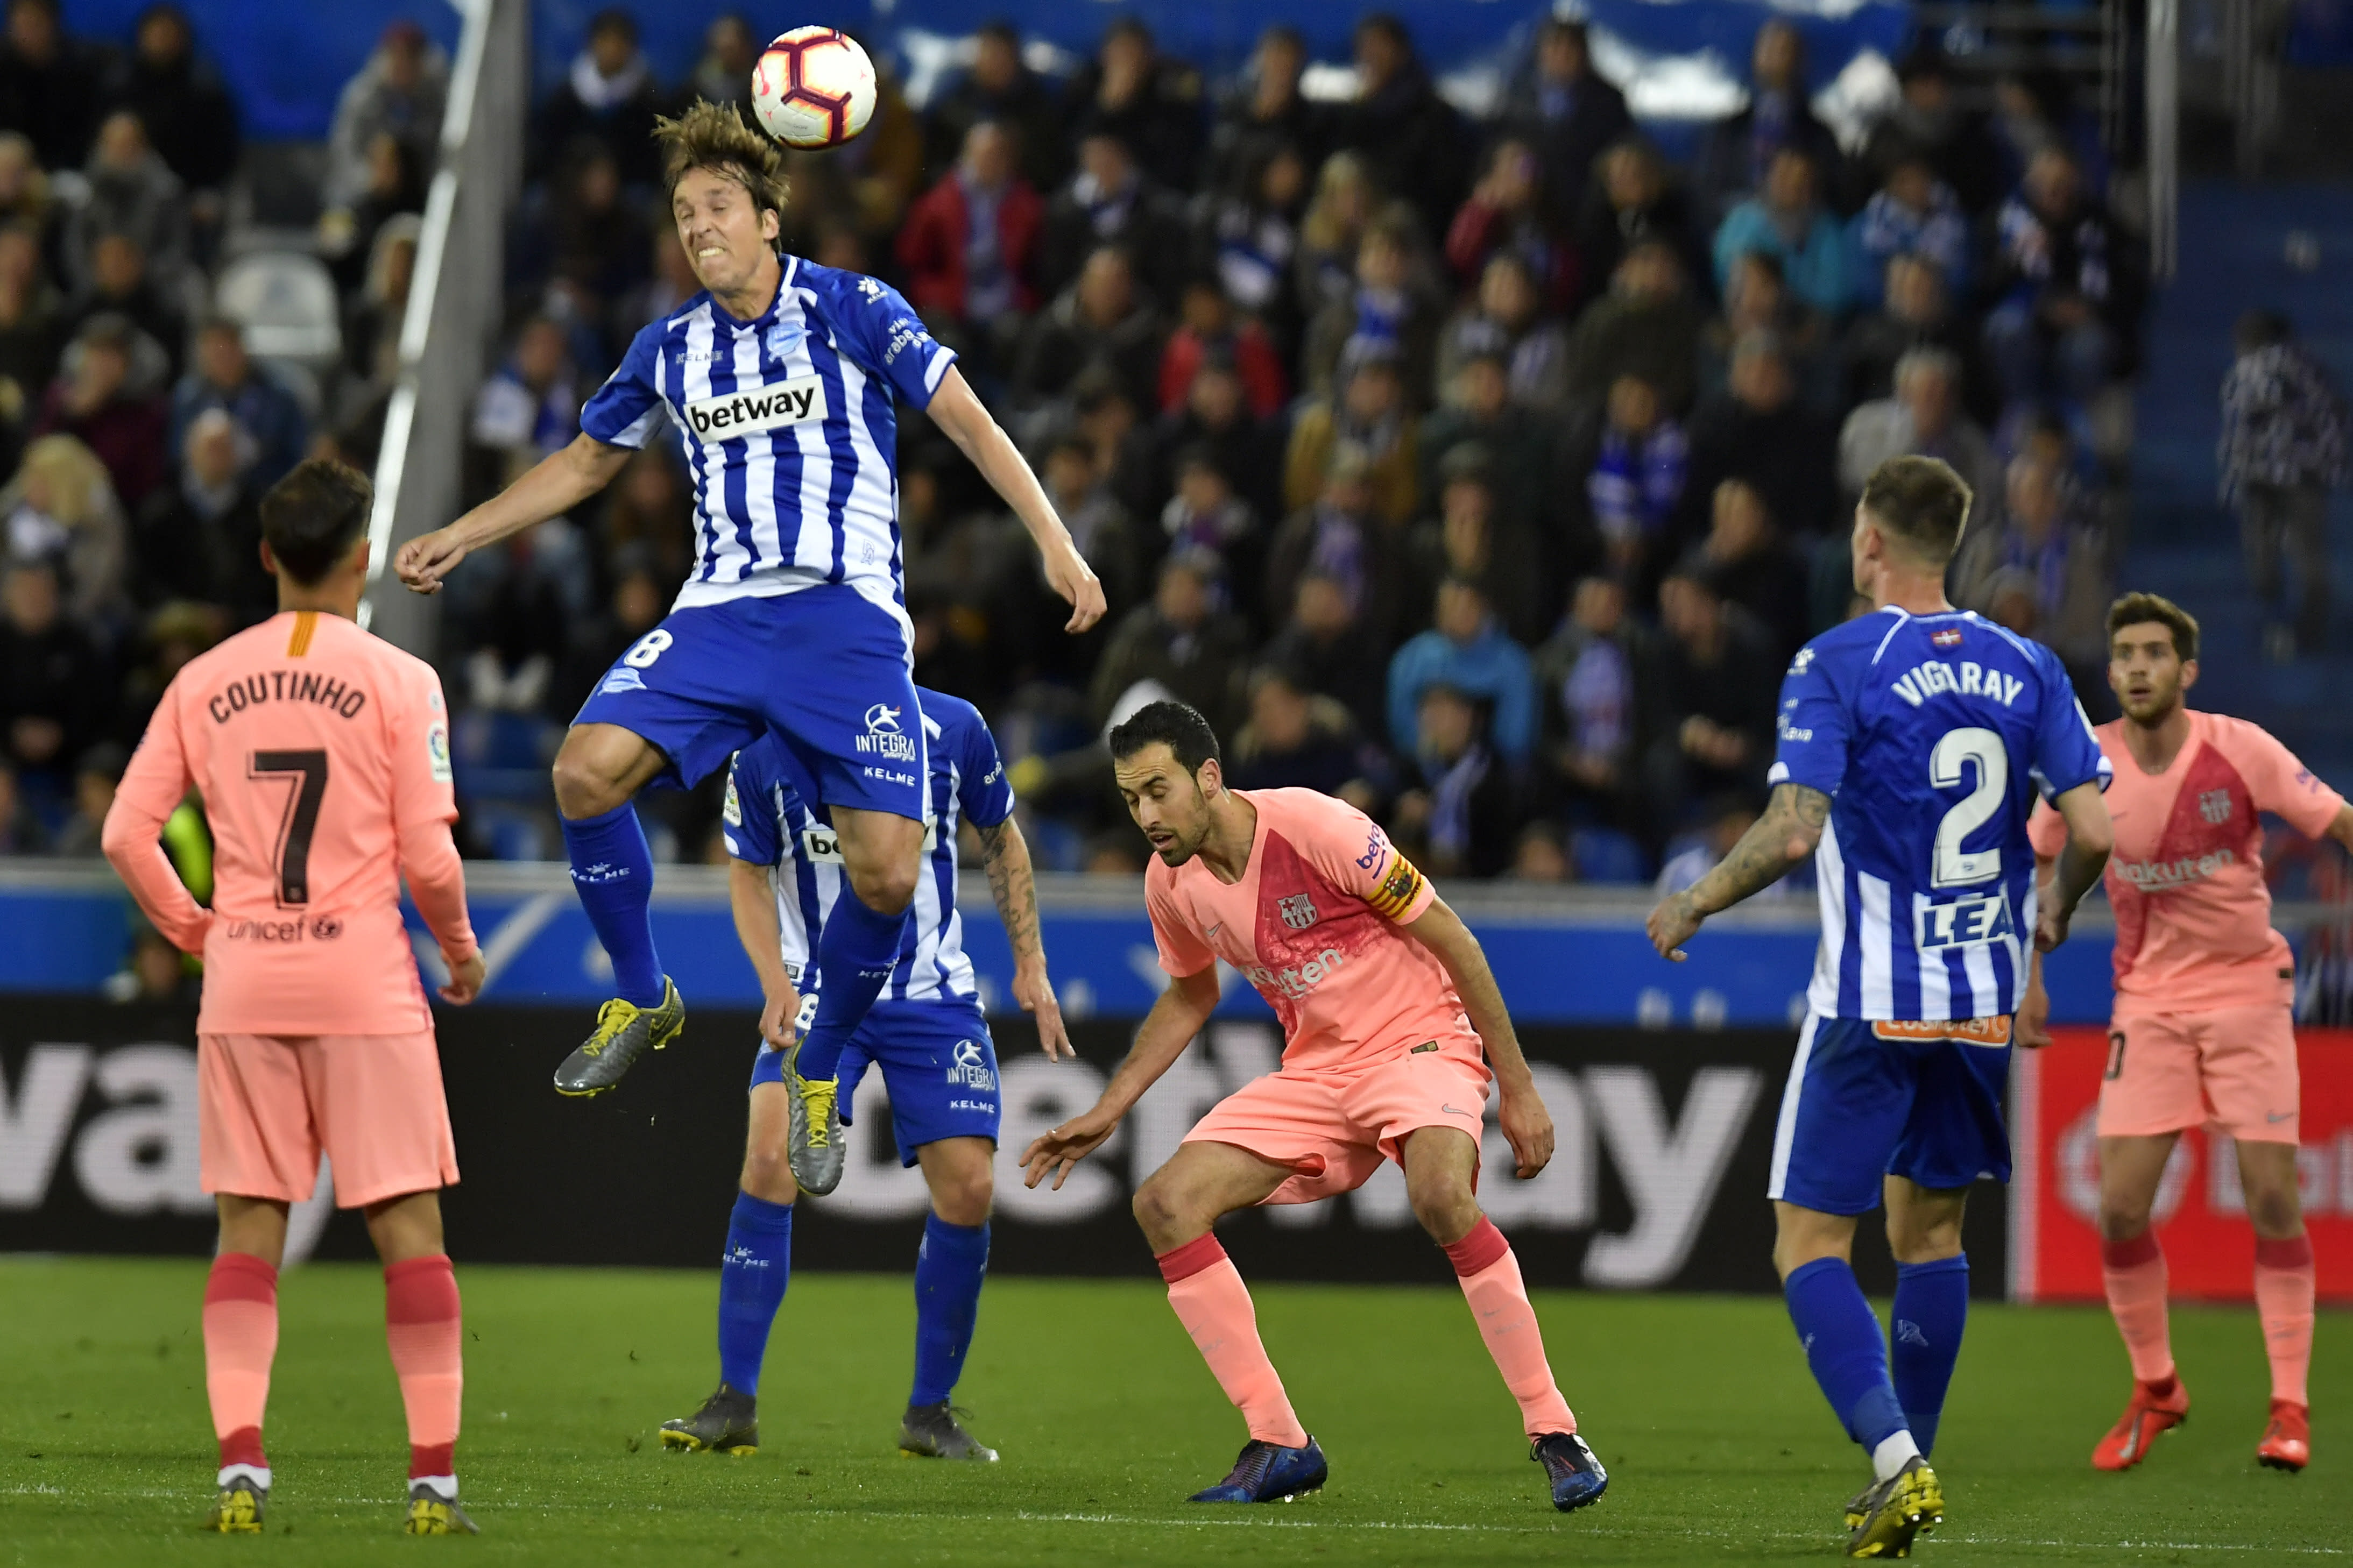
(1811, 730)
(747, 821)
(886, 338)
(627, 410)
(984, 791)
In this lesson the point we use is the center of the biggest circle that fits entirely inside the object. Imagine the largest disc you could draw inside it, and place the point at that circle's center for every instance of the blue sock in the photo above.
(753, 1274)
(855, 954)
(948, 1273)
(613, 872)
(1844, 1347)
(1932, 1307)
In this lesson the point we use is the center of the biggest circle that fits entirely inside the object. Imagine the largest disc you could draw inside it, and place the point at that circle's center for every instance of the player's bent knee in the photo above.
(583, 789)
(2122, 1221)
(885, 890)
(768, 1177)
(2274, 1213)
(1445, 1206)
(965, 1202)
(1162, 1213)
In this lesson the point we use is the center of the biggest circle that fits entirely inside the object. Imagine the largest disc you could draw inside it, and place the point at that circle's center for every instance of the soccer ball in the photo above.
(813, 87)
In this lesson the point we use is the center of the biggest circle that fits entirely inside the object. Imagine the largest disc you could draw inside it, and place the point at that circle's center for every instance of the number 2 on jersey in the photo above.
(1955, 867)
(308, 773)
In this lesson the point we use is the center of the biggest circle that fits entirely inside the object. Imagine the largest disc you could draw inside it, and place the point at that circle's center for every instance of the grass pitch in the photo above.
(1719, 1448)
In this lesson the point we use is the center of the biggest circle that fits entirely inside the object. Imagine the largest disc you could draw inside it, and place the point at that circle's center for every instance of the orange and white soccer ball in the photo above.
(813, 87)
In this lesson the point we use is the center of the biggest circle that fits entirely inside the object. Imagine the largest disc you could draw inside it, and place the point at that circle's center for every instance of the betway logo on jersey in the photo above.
(2163, 876)
(756, 408)
(1296, 982)
(1933, 677)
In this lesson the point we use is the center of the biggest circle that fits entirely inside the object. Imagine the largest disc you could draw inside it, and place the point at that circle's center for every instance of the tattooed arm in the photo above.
(1785, 835)
(1013, 882)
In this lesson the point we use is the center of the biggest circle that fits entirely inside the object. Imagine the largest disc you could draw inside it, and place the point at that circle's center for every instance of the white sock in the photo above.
(253, 1475)
(1893, 1454)
(444, 1486)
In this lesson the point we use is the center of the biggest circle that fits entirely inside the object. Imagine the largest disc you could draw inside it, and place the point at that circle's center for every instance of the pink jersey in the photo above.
(323, 756)
(2193, 913)
(1313, 926)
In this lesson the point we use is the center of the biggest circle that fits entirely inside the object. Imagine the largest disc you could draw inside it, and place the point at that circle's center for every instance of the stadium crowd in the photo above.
(1486, 472)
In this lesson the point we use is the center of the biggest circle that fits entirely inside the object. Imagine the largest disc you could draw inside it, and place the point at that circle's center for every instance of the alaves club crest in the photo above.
(1297, 911)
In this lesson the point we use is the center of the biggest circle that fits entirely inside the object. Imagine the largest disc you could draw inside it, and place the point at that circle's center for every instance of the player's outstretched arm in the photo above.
(1168, 1029)
(753, 904)
(1522, 1114)
(1776, 843)
(1013, 883)
(2090, 837)
(954, 409)
(554, 486)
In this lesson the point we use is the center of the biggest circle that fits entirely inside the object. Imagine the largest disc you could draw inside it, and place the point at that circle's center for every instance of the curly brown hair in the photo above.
(2136, 609)
(713, 137)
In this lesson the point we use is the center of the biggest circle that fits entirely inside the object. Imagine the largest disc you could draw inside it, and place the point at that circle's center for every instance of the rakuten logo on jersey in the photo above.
(1296, 982)
(754, 409)
(2158, 875)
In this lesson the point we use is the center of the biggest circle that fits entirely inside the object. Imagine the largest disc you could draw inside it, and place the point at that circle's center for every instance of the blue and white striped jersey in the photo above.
(1930, 735)
(772, 820)
(788, 429)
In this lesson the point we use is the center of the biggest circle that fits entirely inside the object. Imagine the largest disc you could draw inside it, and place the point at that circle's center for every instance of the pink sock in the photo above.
(1491, 1282)
(2134, 1272)
(1214, 1305)
(240, 1341)
(2283, 1299)
(420, 1325)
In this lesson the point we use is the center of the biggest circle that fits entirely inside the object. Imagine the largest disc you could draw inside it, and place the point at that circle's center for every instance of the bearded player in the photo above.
(1912, 742)
(781, 378)
(2204, 1032)
(322, 755)
(1386, 1000)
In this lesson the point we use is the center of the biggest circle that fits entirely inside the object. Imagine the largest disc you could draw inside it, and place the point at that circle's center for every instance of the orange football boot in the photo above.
(2287, 1437)
(2149, 1414)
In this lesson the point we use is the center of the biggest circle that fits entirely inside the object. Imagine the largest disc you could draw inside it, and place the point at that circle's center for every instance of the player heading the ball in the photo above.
(1387, 1008)
(779, 382)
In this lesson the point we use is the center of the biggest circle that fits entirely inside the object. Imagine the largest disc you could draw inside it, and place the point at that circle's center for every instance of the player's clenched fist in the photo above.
(425, 561)
(1527, 1126)
(1062, 1147)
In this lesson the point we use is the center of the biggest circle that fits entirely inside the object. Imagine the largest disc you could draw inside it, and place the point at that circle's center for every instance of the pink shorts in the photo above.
(2232, 1070)
(267, 1104)
(1333, 1128)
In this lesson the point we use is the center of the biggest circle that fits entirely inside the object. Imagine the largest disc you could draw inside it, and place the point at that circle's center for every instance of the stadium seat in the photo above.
(286, 303)
(1606, 855)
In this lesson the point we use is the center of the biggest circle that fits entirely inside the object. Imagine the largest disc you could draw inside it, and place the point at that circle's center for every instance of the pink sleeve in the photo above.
(1183, 953)
(1352, 853)
(152, 789)
(424, 805)
(2282, 785)
(2046, 830)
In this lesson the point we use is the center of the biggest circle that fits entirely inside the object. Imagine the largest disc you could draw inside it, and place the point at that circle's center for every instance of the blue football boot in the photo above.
(1577, 1476)
(1267, 1473)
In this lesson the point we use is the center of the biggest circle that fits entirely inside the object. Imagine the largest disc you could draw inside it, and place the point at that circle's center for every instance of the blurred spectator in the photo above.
(61, 507)
(1345, 203)
(2067, 283)
(1265, 111)
(1539, 856)
(1216, 414)
(50, 84)
(1370, 416)
(395, 185)
(1928, 122)
(121, 286)
(187, 109)
(1402, 126)
(1205, 516)
(1923, 419)
(1635, 485)
(999, 86)
(1466, 649)
(401, 90)
(608, 97)
(1460, 815)
(2065, 562)
(1340, 537)
(514, 607)
(1504, 321)
(226, 377)
(1247, 232)
(55, 697)
(1587, 679)
(1756, 428)
(1519, 448)
(1738, 156)
(1632, 200)
(201, 538)
(1718, 682)
(639, 597)
(1207, 324)
(1324, 645)
(1503, 213)
(1106, 536)
(135, 193)
(2033, 112)
(1788, 221)
(650, 511)
(20, 830)
(1110, 201)
(1184, 642)
(97, 773)
(598, 232)
(1567, 113)
(32, 317)
(1100, 318)
(970, 248)
(1298, 739)
(2282, 452)
(112, 404)
(1912, 214)
(1148, 100)
(1469, 540)
(723, 73)
(371, 317)
(1758, 299)
(1916, 314)
(531, 404)
(1744, 554)
(25, 194)
(1388, 305)
(1729, 818)
(1647, 325)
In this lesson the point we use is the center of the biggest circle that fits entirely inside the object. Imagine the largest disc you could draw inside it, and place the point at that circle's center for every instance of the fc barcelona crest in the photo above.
(2214, 804)
(1297, 911)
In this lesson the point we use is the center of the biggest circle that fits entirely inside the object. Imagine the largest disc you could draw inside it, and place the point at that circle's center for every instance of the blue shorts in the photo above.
(825, 668)
(939, 1069)
(1867, 1101)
